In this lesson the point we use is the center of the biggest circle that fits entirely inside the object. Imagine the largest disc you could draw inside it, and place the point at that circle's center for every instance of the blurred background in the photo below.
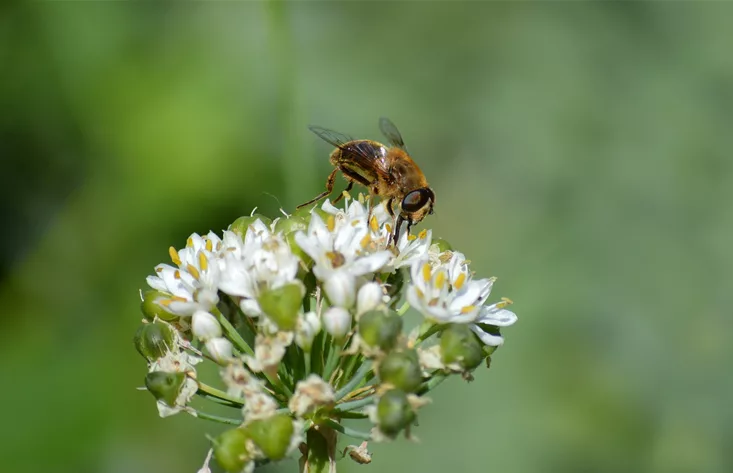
(579, 152)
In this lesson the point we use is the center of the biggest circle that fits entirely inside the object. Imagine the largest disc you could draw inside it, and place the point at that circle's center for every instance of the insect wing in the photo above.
(391, 132)
(363, 153)
(329, 136)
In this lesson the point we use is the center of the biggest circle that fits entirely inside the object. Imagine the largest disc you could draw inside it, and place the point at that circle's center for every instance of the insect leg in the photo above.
(329, 188)
(348, 188)
(396, 233)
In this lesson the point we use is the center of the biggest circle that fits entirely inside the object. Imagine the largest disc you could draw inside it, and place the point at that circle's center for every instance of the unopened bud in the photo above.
(282, 305)
(337, 322)
(440, 245)
(379, 329)
(205, 326)
(240, 225)
(165, 386)
(220, 349)
(152, 309)
(272, 435)
(308, 327)
(369, 297)
(402, 370)
(458, 344)
(341, 290)
(290, 224)
(394, 412)
(230, 450)
(154, 340)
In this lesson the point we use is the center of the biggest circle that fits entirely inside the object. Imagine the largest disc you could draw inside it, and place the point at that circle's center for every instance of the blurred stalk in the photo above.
(290, 122)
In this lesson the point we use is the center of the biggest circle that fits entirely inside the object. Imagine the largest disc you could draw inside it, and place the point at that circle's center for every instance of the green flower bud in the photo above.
(287, 225)
(165, 386)
(282, 305)
(308, 210)
(379, 329)
(458, 344)
(241, 224)
(394, 412)
(297, 251)
(442, 245)
(153, 340)
(151, 309)
(230, 450)
(401, 369)
(272, 435)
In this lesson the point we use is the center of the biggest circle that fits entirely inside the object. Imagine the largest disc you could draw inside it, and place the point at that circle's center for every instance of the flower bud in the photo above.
(241, 224)
(379, 329)
(272, 435)
(230, 450)
(369, 297)
(394, 412)
(153, 340)
(282, 305)
(458, 344)
(402, 370)
(220, 349)
(205, 326)
(341, 290)
(152, 309)
(306, 212)
(165, 386)
(441, 245)
(337, 322)
(290, 224)
(308, 327)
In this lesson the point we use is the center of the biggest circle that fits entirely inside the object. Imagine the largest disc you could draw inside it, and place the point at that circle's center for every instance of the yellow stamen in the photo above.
(459, 281)
(411, 237)
(467, 309)
(440, 280)
(366, 240)
(158, 270)
(426, 272)
(209, 245)
(373, 223)
(423, 234)
(167, 302)
(337, 259)
(331, 223)
(433, 302)
(505, 301)
(177, 274)
(174, 256)
(388, 227)
(203, 262)
(346, 195)
(194, 272)
(420, 294)
(189, 242)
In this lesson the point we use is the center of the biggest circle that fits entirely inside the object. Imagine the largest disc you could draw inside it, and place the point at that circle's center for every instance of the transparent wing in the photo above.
(329, 136)
(391, 132)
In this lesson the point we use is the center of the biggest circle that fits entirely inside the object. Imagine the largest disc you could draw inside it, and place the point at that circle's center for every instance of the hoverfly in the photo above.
(386, 171)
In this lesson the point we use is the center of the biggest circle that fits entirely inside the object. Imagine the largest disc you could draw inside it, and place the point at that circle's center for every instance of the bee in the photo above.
(386, 171)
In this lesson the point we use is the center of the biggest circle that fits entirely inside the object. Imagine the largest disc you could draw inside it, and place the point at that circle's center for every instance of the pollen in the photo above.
(174, 256)
(346, 195)
(189, 242)
(411, 237)
(388, 227)
(440, 280)
(423, 234)
(505, 301)
(331, 223)
(194, 272)
(177, 274)
(373, 224)
(467, 309)
(459, 281)
(209, 245)
(426, 272)
(366, 240)
(203, 262)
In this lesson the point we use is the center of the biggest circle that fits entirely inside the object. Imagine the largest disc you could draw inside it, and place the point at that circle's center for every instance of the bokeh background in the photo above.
(580, 152)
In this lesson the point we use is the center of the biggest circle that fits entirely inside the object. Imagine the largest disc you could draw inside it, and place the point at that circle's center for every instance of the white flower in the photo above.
(269, 350)
(369, 297)
(337, 322)
(340, 255)
(308, 327)
(411, 248)
(220, 349)
(177, 362)
(205, 326)
(446, 293)
(311, 393)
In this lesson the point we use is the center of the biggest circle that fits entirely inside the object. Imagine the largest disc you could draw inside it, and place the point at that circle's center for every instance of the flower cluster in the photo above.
(304, 317)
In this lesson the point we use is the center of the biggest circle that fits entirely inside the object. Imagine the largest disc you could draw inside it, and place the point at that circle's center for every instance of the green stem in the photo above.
(351, 405)
(232, 333)
(219, 394)
(355, 380)
(405, 307)
(223, 420)
(432, 383)
(357, 434)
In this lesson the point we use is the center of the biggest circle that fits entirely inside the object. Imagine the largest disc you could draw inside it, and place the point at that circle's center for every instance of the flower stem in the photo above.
(232, 333)
(357, 434)
(351, 405)
(355, 380)
(223, 420)
(404, 308)
(219, 394)
(432, 383)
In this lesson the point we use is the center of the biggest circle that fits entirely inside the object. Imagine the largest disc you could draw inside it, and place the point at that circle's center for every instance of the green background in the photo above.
(579, 152)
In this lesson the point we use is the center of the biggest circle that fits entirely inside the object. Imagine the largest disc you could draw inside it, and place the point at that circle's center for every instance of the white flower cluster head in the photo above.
(304, 317)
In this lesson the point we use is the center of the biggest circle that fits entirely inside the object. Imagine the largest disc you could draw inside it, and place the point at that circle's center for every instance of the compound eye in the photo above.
(415, 200)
